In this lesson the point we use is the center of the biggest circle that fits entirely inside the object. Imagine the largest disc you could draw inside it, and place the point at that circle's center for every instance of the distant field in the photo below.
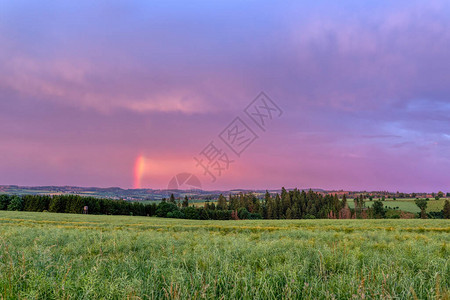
(56, 256)
(407, 205)
(402, 204)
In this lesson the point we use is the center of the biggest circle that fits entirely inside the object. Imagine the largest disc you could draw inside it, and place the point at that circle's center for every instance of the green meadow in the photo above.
(65, 256)
(407, 205)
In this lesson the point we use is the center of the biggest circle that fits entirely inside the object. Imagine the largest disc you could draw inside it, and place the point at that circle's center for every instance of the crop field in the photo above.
(407, 205)
(62, 256)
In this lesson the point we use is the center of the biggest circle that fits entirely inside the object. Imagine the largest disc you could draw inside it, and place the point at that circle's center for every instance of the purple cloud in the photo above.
(86, 89)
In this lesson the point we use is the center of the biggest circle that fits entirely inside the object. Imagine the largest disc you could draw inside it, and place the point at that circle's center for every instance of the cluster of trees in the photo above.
(423, 204)
(172, 210)
(74, 204)
(294, 204)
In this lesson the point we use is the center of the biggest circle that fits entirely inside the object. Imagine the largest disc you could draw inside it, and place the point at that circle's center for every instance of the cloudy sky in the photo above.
(127, 93)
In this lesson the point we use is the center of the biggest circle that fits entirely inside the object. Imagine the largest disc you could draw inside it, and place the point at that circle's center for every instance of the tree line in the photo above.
(74, 204)
(293, 204)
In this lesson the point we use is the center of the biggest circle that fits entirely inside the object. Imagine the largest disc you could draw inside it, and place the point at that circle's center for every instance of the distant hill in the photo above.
(119, 193)
(158, 194)
(113, 192)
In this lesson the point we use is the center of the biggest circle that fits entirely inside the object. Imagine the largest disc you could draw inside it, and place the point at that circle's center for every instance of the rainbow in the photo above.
(139, 168)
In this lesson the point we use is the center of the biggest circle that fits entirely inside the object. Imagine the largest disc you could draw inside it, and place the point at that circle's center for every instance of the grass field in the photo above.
(407, 205)
(60, 256)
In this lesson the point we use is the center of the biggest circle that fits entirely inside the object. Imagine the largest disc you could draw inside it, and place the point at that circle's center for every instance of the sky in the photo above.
(131, 93)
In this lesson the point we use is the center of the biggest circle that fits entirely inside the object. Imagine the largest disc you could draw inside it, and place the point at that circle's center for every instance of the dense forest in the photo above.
(293, 204)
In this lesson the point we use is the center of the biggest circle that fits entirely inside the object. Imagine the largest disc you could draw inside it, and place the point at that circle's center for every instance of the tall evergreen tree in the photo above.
(295, 211)
(266, 197)
(55, 204)
(446, 210)
(278, 208)
(285, 202)
(222, 202)
(271, 209)
(185, 202)
(288, 213)
(344, 201)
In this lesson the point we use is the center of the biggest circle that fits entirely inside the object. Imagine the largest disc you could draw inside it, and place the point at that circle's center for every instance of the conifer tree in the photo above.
(266, 197)
(222, 202)
(185, 202)
(55, 204)
(278, 208)
(285, 201)
(344, 201)
(446, 210)
(288, 213)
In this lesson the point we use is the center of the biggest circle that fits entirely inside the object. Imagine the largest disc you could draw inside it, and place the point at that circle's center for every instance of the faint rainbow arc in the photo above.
(139, 168)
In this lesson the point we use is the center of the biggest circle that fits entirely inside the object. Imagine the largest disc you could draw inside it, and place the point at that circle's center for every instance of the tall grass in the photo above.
(59, 256)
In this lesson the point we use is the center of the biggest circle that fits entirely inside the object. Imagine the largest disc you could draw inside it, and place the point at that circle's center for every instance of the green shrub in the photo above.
(16, 203)
(243, 213)
(164, 208)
